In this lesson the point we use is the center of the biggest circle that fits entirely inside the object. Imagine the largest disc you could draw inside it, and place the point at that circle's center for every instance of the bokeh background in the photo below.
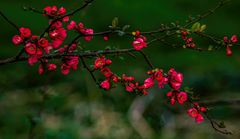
(74, 108)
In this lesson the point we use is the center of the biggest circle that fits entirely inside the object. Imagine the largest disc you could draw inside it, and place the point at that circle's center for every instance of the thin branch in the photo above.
(146, 59)
(217, 127)
(10, 22)
(220, 102)
(207, 13)
(89, 70)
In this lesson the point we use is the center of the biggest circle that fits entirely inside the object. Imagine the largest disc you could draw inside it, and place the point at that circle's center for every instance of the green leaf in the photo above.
(196, 27)
(210, 48)
(125, 27)
(121, 58)
(203, 27)
(114, 22)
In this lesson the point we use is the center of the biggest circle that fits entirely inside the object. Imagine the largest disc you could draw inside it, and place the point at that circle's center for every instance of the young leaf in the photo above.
(114, 22)
(196, 27)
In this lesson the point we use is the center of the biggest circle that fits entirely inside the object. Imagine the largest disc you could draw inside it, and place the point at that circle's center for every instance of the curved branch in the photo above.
(10, 22)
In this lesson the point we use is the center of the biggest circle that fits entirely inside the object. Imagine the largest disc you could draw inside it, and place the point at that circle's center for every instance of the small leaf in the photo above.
(125, 27)
(121, 58)
(203, 27)
(121, 33)
(196, 27)
(114, 22)
(210, 48)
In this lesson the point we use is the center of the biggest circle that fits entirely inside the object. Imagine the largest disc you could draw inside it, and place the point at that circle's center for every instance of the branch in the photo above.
(10, 22)
(57, 56)
(89, 70)
(220, 102)
(147, 59)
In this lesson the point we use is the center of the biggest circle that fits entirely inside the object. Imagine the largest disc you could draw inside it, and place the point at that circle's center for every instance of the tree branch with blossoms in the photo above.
(42, 49)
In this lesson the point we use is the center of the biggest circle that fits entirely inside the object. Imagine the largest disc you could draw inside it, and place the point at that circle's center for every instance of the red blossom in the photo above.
(148, 83)
(199, 118)
(99, 63)
(88, 32)
(193, 112)
(182, 97)
(17, 40)
(139, 44)
(32, 60)
(106, 72)
(25, 32)
(43, 42)
(175, 79)
(105, 84)
(51, 67)
(40, 69)
(71, 25)
(228, 51)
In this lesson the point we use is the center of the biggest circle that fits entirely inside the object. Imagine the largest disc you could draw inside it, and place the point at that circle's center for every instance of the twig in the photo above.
(89, 70)
(57, 56)
(146, 59)
(10, 22)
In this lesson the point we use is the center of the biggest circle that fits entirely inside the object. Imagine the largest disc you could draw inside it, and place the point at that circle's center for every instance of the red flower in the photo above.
(62, 11)
(32, 60)
(65, 69)
(17, 40)
(105, 38)
(71, 25)
(31, 48)
(228, 51)
(115, 78)
(52, 67)
(25, 32)
(40, 69)
(182, 97)
(105, 84)
(106, 72)
(175, 79)
(234, 39)
(99, 63)
(158, 75)
(199, 118)
(88, 32)
(130, 87)
(139, 44)
(127, 78)
(148, 83)
(193, 112)
(43, 42)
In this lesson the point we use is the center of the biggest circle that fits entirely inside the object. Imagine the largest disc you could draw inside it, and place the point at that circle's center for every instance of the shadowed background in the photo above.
(75, 108)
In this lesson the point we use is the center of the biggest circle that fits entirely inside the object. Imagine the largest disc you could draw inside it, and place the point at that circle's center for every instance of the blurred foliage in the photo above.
(75, 108)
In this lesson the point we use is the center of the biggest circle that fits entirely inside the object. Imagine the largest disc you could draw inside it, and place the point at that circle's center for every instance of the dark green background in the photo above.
(76, 108)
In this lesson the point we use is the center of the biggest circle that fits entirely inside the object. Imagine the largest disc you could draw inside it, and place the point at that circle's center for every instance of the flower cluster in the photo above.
(180, 97)
(188, 40)
(139, 41)
(173, 78)
(195, 112)
(53, 12)
(36, 46)
(87, 32)
(229, 43)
